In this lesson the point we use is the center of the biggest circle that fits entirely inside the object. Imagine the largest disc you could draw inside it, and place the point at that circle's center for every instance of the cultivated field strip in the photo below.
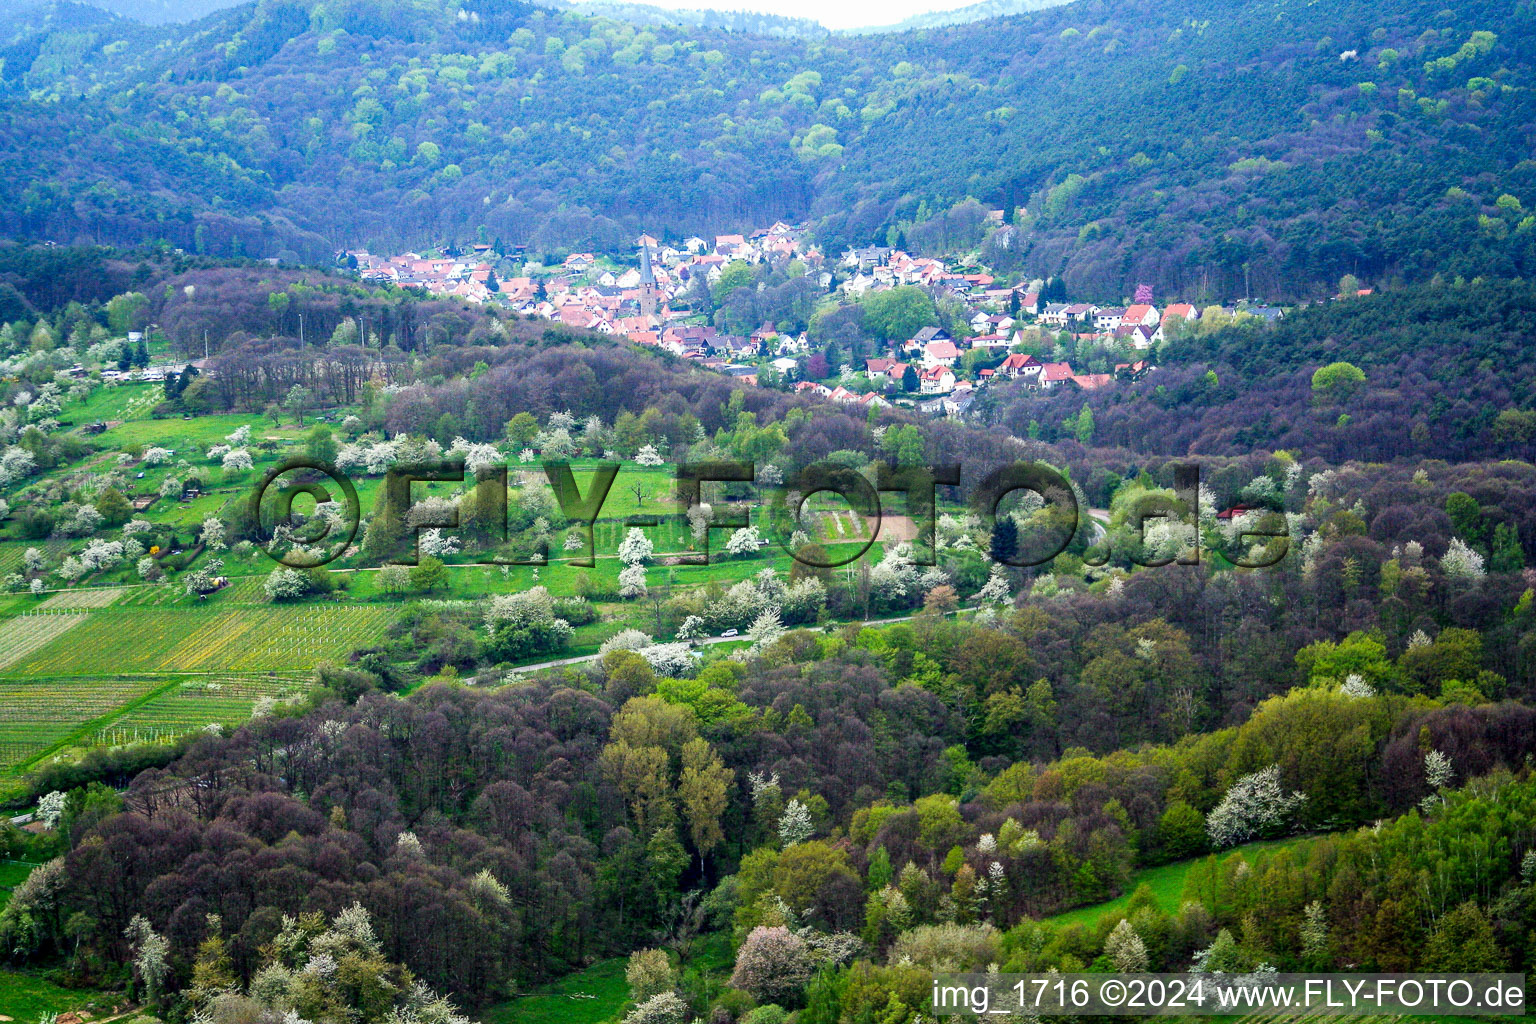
(98, 598)
(24, 634)
(153, 597)
(197, 703)
(35, 714)
(270, 638)
(242, 590)
(13, 552)
(40, 715)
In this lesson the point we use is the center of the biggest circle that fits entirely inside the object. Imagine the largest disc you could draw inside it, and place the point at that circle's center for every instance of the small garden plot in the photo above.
(197, 703)
(97, 598)
(36, 714)
(24, 634)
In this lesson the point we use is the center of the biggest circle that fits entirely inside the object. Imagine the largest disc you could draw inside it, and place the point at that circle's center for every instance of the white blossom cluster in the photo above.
(370, 459)
(477, 457)
(15, 464)
(1254, 806)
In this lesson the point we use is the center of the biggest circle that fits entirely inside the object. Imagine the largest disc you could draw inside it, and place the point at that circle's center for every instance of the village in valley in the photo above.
(1004, 331)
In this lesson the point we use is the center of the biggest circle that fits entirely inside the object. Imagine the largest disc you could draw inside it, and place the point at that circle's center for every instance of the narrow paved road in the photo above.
(1098, 517)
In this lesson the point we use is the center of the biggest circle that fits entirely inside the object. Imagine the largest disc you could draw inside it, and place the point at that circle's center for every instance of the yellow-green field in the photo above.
(20, 636)
(147, 639)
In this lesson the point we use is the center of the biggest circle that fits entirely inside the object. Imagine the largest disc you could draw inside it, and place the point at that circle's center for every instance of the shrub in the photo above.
(774, 965)
(949, 947)
(649, 974)
(665, 1008)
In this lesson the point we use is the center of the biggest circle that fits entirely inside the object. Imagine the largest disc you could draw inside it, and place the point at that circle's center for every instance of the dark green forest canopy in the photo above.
(1185, 144)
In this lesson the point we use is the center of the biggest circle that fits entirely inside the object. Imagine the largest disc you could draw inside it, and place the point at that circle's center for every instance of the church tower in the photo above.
(647, 278)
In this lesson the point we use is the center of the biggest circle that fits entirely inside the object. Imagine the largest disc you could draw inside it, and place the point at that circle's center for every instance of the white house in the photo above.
(940, 353)
(1108, 319)
(936, 380)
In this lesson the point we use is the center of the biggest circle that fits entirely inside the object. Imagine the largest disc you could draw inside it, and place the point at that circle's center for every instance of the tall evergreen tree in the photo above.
(1005, 539)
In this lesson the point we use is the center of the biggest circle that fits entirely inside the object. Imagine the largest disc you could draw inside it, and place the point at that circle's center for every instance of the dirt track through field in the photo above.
(892, 529)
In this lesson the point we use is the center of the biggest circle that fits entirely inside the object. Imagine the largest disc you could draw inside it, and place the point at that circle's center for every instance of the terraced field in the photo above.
(38, 716)
(11, 553)
(252, 639)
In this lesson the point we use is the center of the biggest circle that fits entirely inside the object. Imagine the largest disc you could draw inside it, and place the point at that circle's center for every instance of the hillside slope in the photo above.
(1185, 144)
(1445, 377)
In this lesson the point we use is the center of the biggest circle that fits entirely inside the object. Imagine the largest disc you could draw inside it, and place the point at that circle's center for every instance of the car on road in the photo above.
(730, 632)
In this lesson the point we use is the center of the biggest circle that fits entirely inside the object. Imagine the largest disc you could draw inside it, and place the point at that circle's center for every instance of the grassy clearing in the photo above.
(600, 992)
(1166, 882)
(12, 874)
(27, 997)
(187, 438)
(119, 402)
(586, 997)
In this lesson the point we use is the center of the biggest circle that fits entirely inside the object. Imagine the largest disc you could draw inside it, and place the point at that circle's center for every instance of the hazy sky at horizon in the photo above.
(848, 14)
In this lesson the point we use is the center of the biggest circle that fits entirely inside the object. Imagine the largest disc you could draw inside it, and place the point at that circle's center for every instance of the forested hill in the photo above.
(1434, 372)
(159, 12)
(1176, 142)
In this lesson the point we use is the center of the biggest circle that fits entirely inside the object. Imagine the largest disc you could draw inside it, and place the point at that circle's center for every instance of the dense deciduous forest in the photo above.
(847, 808)
(922, 755)
(1385, 144)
